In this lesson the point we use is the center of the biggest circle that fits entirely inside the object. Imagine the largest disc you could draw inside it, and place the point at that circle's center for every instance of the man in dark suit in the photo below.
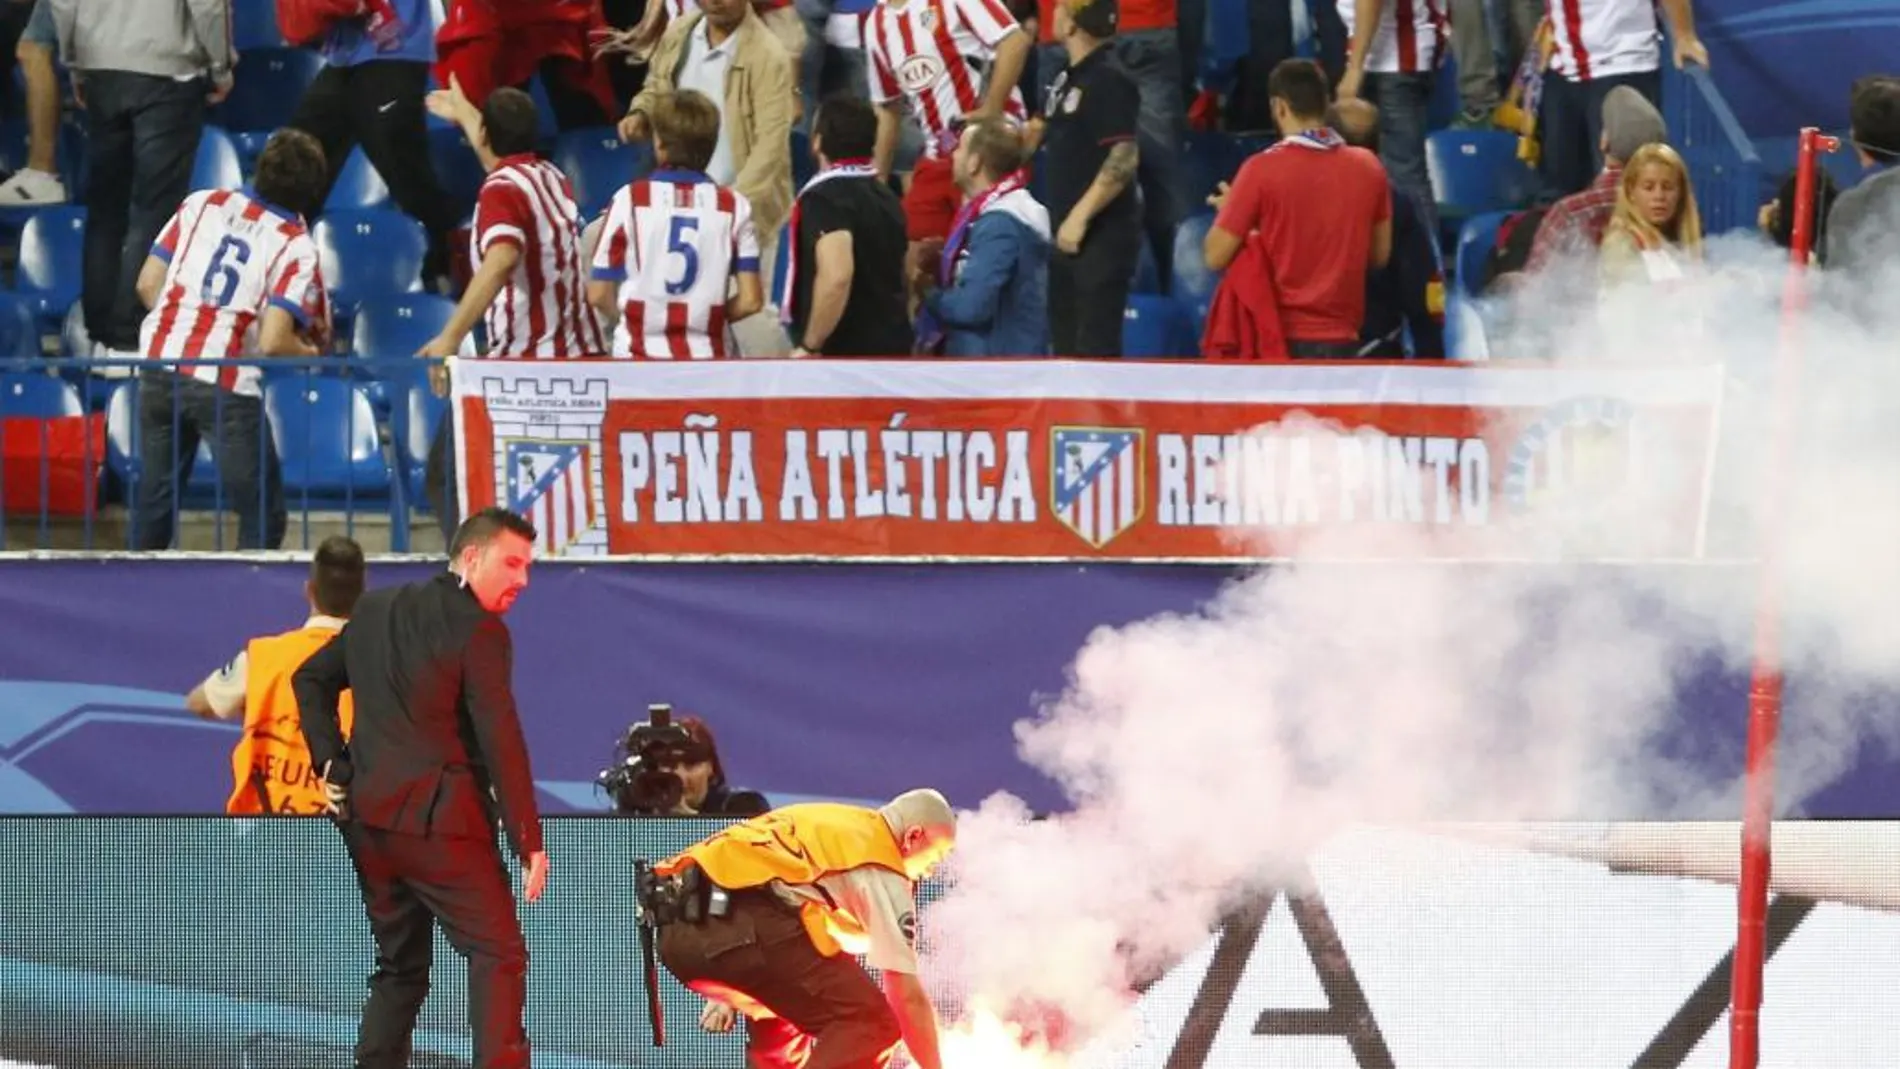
(435, 746)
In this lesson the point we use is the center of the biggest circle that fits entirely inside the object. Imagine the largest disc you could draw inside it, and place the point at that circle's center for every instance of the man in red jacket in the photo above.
(487, 44)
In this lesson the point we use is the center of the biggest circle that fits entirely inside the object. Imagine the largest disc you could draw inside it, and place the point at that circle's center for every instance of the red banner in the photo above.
(1059, 459)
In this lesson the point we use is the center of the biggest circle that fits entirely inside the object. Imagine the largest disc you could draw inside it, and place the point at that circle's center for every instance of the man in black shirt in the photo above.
(1092, 162)
(435, 748)
(846, 276)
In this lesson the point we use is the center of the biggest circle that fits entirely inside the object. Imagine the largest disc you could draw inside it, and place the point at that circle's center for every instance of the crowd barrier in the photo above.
(214, 943)
(350, 438)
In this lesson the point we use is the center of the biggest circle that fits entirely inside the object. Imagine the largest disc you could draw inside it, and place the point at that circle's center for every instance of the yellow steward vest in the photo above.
(271, 764)
(799, 845)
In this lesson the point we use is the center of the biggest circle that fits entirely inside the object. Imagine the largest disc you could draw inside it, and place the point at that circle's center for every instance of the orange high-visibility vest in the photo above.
(800, 845)
(271, 764)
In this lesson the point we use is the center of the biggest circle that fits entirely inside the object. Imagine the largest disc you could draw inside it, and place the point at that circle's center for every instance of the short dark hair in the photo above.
(336, 576)
(1302, 84)
(511, 122)
(685, 127)
(846, 127)
(1875, 115)
(487, 525)
(291, 172)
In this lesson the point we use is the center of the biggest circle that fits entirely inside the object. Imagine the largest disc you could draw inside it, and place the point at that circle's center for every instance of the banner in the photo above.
(1062, 459)
(220, 944)
(837, 681)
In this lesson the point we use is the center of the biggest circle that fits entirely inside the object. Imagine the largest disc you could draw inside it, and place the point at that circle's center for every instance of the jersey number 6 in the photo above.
(221, 278)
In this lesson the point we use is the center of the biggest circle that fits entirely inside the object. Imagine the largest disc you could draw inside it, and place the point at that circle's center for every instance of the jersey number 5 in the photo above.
(685, 228)
(221, 278)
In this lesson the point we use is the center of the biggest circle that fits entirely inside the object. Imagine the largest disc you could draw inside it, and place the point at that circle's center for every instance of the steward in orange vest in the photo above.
(270, 767)
(763, 917)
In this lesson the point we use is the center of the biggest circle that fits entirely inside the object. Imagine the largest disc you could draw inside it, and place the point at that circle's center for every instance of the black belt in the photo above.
(686, 897)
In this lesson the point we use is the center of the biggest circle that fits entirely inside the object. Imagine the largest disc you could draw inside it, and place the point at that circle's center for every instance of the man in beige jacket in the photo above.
(725, 51)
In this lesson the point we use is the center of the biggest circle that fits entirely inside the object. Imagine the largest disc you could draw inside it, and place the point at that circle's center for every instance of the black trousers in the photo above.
(379, 105)
(411, 883)
(827, 1014)
(142, 139)
(175, 414)
(1088, 292)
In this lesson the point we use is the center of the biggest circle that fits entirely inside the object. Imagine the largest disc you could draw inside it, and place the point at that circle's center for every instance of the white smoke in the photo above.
(1207, 754)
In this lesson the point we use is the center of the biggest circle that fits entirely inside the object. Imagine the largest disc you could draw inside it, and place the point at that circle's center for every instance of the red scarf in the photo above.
(855, 168)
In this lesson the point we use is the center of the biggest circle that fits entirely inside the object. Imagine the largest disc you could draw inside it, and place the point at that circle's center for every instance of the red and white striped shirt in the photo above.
(1410, 37)
(1605, 38)
(542, 309)
(229, 257)
(673, 241)
(933, 53)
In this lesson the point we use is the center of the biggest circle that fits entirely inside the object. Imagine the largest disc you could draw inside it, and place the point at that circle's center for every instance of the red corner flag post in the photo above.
(1764, 692)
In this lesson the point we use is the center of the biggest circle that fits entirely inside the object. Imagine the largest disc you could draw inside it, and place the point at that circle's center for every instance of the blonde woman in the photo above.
(1655, 232)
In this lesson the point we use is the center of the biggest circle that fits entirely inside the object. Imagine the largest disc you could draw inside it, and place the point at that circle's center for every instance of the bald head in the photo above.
(925, 826)
(1357, 121)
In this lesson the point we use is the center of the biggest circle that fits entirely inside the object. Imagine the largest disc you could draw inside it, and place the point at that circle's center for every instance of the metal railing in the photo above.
(1724, 166)
(123, 454)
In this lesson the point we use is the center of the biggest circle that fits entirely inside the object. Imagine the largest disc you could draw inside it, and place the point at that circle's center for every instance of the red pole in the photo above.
(1764, 692)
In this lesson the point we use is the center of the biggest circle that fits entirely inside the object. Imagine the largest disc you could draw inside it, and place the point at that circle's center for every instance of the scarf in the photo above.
(1319, 139)
(854, 168)
(930, 333)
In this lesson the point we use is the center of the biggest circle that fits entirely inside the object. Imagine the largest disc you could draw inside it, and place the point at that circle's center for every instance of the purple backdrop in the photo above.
(828, 680)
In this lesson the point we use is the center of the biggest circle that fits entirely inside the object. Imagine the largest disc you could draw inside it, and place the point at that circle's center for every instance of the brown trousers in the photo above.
(824, 1013)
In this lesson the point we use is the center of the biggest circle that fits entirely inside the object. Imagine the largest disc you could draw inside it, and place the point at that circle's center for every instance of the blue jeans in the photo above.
(175, 414)
(1402, 100)
(1572, 127)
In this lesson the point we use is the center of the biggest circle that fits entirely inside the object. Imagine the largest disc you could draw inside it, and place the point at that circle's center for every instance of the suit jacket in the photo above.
(436, 742)
(761, 102)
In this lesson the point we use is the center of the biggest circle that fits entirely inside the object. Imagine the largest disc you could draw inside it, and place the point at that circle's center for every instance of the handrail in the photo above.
(1738, 139)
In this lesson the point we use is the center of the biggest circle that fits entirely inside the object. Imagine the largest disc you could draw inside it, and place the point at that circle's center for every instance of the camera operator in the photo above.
(672, 769)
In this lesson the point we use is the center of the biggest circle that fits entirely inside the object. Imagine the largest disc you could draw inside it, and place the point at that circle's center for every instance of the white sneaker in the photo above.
(28, 188)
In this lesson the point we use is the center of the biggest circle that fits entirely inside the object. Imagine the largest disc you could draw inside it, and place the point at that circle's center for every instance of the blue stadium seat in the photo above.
(782, 259)
(254, 26)
(1193, 283)
(413, 425)
(388, 331)
(52, 249)
(597, 164)
(370, 252)
(357, 185)
(249, 145)
(1464, 330)
(35, 395)
(1477, 171)
(326, 438)
(217, 165)
(1155, 327)
(19, 333)
(122, 414)
(1476, 238)
(269, 83)
(457, 169)
(395, 326)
